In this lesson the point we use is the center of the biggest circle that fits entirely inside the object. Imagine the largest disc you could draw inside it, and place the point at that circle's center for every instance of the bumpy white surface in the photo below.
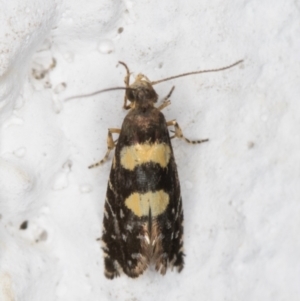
(241, 191)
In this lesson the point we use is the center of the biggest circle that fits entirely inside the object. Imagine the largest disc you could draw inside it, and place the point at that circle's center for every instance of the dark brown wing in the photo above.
(143, 219)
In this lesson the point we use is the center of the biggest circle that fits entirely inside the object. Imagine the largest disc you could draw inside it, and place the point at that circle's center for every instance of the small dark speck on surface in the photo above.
(250, 144)
(24, 225)
(43, 236)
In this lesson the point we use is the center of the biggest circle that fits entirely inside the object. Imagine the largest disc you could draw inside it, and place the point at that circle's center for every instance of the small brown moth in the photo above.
(143, 215)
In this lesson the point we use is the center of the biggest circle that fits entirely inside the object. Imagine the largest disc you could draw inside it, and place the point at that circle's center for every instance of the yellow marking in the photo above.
(137, 154)
(140, 204)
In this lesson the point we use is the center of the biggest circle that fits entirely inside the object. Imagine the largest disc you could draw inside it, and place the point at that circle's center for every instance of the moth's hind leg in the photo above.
(110, 146)
(179, 134)
(126, 81)
(166, 101)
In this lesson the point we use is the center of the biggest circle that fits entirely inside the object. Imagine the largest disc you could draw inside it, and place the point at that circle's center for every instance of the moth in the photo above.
(143, 214)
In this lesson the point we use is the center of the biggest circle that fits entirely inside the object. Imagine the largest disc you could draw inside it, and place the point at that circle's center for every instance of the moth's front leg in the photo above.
(110, 146)
(166, 101)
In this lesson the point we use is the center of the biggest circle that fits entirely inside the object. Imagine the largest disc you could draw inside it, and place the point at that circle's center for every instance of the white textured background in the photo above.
(241, 191)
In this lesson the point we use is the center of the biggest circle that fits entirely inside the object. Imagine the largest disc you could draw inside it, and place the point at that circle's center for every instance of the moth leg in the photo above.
(126, 81)
(166, 101)
(110, 146)
(179, 134)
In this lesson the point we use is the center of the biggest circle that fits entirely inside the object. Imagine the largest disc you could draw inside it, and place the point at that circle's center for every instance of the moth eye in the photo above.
(129, 94)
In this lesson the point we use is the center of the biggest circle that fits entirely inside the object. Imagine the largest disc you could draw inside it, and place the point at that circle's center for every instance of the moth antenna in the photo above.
(128, 72)
(98, 92)
(196, 72)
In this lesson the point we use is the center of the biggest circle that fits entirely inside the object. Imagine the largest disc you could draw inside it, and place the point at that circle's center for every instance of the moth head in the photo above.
(141, 92)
